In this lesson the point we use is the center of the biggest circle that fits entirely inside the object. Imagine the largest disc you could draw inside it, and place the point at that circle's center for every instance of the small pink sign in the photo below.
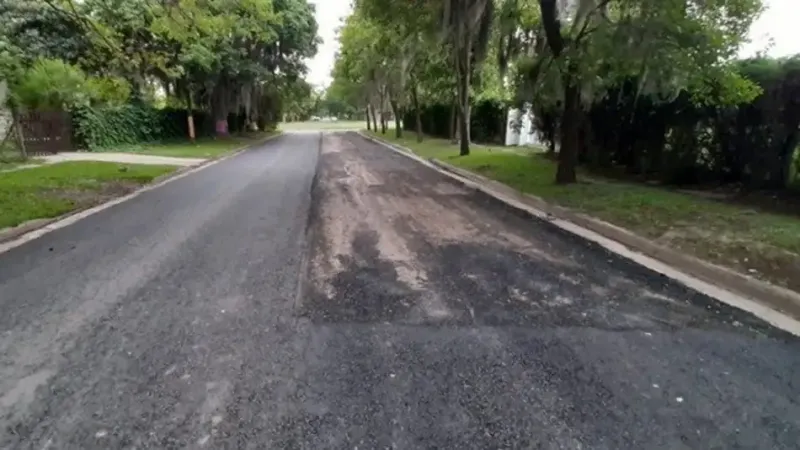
(222, 127)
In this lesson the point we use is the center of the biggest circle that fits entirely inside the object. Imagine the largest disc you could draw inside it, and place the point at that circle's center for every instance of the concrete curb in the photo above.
(32, 229)
(724, 279)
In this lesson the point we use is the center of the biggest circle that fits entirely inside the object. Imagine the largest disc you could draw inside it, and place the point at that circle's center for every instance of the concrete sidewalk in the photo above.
(125, 158)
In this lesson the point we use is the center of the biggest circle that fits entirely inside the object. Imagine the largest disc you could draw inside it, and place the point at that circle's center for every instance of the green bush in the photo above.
(108, 91)
(52, 84)
(487, 121)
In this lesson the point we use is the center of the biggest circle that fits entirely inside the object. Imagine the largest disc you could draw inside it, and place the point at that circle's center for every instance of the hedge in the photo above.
(120, 126)
(487, 121)
(679, 142)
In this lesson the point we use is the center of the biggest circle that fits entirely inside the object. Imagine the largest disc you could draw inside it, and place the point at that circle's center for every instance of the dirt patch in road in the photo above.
(393, 241)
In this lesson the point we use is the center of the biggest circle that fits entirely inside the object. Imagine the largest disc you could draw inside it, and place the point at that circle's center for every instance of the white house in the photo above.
(520, 130)
(5, 113)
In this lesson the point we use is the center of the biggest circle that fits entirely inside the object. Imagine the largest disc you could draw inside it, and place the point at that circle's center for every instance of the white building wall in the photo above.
(5, 113)
(520, 130)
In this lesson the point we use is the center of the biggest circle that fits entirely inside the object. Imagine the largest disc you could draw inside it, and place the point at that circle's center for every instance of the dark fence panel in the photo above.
(46, 132)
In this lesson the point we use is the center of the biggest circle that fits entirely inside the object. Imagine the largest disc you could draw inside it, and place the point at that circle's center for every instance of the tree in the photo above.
(595, 44)
(466, 30)
(361, 67)
(222, 55)
(406, 41)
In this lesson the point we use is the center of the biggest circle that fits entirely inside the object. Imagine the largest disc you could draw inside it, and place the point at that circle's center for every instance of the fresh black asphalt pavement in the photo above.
(320, 291)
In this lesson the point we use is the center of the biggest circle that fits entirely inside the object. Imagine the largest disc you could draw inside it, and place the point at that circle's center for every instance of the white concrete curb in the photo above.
(39, 227)
(761, 310)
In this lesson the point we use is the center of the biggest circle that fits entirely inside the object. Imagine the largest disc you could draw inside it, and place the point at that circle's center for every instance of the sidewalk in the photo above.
(125, 158)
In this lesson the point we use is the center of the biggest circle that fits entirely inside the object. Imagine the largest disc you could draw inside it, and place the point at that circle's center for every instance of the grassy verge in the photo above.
(202, 148)
(758, 243)
(10, 158)
(12, 162)
(50, 191)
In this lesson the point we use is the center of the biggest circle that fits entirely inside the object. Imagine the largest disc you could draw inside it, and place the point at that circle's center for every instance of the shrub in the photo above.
(487, 121)
(52, 84)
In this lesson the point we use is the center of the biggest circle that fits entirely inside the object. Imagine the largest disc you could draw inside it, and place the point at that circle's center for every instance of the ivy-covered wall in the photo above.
(120, 126)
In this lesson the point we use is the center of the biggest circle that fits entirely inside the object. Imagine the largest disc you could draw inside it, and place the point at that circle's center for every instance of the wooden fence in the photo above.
(46, 132)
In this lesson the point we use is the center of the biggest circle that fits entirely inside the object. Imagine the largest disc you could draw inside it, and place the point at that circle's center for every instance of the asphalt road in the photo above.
(350, 298)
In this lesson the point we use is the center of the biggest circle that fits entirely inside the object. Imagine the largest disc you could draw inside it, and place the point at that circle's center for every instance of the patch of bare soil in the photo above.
(394, 242)
(752, 258)
(356, 197)
(86, 198)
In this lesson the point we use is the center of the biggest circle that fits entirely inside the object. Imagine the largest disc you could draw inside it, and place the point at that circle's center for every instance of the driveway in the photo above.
(350, 298)
(125, 158)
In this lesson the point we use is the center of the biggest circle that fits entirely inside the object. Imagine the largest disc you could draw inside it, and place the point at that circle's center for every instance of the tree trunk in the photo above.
(382, 103)
(468, 118)
(463, 131)
(367, 115)
(453, 122)
(398, 130)
(463, 101)
(568, 151)
(374, 118)
(190, 115)
(417, 113)
(570, 127)
(503, 123)
(418, 118)
(463, 56)
(219, 110)
(18, 133)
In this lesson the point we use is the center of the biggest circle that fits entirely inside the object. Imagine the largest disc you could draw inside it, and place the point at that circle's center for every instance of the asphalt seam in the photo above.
(758, 307)
(308, 236)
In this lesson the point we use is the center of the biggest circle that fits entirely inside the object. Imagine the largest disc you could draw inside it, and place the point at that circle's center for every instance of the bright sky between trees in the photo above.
(777, 26)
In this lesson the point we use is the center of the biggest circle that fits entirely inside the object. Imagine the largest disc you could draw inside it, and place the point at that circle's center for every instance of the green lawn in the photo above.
(10, 162)
(50, 191)
(733, 235)
(10, 158)
(203, 148)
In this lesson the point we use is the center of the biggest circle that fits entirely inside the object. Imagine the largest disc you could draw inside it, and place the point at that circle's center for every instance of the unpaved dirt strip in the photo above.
(443, 320)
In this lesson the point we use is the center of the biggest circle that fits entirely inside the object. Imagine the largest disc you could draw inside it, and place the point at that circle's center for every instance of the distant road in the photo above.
(323, 292)
(322, 126)
(342, 125)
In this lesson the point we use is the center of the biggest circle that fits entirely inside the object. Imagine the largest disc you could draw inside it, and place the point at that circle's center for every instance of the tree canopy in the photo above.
(557, 56)
(226, 56)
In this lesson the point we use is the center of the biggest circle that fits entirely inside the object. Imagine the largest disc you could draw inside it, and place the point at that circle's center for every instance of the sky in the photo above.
(778, 22)
(329, 16)
(778, 25)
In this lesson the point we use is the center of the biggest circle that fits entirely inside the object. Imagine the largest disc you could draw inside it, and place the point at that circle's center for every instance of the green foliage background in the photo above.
(103, 128)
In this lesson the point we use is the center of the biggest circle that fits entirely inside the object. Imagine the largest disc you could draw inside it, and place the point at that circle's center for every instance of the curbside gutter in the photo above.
(32, 229)
(688, 270)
